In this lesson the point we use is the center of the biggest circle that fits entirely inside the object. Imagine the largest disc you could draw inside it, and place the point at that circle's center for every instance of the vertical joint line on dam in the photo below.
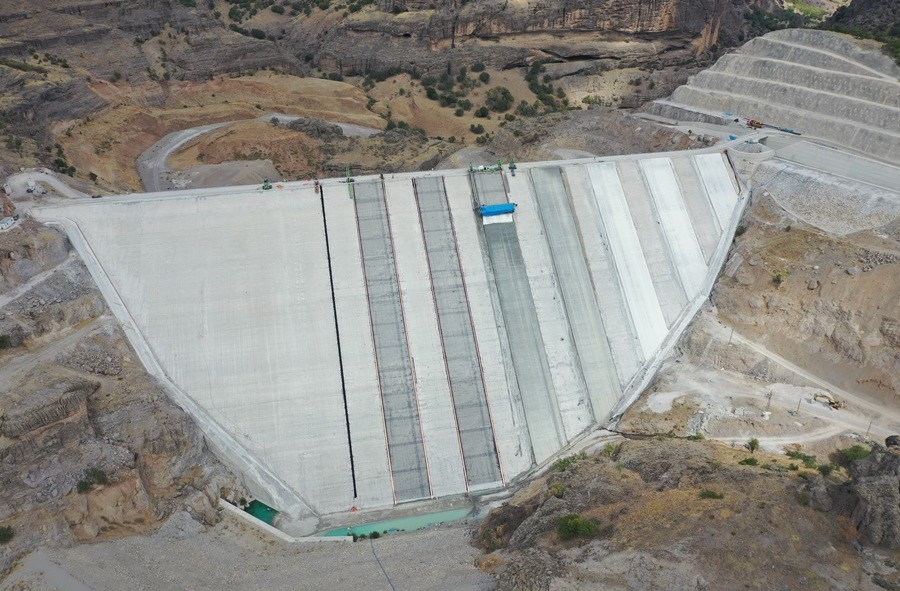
(337, 332)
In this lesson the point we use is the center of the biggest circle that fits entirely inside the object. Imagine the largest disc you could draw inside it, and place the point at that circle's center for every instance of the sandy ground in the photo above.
(185, 555)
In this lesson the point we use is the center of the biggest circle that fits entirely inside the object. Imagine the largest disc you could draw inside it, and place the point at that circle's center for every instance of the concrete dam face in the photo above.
(377, 342)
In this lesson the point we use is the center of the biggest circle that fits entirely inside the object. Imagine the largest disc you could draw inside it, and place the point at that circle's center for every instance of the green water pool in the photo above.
(261, 511)
(402, 524)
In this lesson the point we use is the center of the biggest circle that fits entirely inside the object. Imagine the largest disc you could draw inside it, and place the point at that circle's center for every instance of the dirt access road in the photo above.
(153, 166)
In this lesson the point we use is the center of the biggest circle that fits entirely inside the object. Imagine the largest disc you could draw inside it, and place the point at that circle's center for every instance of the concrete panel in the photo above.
(676, 223)
(703, 218)
(634, 275)
(457, 335)
(395, 369)
(669, 290)
(510, 426)
(367, 432)
(489, 188)
(594, 355)
(439, 429)
(716, 177)
(626, 349)
(247, 344)
(526, 343)
(559, 345)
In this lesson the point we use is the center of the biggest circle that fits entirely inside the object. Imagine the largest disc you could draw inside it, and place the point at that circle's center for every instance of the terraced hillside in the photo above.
(818, 83)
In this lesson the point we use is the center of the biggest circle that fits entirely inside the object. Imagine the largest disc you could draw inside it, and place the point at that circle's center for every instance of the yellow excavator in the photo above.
(830, 400)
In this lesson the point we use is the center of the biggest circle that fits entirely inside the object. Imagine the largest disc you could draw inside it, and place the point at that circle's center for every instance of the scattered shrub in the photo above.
(751, 461)
(827, 469)
(84, 486)
(803, 498)
(484, 77)
(575, 526)
(374, 535)
(609, 449)
(478, 67)
(793, 467)
(6, 534)
(808, 460)
(696, 437)
(752, 444)
(710, 494)
(740, 230)
(477, 129)
(854, 452)
(278, 9)
(779, 276)
(563, 464)
(557, 489)
(5, 341)
(499, 99)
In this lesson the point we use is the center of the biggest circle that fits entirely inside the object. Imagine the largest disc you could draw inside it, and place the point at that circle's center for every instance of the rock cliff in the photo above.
(91, 446)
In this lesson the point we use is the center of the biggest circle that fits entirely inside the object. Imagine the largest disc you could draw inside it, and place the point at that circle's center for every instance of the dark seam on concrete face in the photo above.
(337, 332)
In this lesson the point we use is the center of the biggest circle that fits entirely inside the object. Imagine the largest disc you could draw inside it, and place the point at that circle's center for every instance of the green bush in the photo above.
(753, 444)
(484, 77)
(751, 461)
(477, 129)
(793, 467)
(478, 67)
(563, 464)
(710, 494)
(803, 498)
(5, 341)
(499, 99)
(84, 486)
(696, 437)
(808, 460)
(557, 489)
(827, 469)
(277, 9)
(6, 534)
(575, 526)
(257, 33)
(854, 452)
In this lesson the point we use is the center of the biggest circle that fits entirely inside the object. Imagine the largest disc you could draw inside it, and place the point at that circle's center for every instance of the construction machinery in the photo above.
(830, 400)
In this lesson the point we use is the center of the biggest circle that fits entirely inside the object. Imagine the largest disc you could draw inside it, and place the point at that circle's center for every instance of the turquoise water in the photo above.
(261, 511)
(402, 524)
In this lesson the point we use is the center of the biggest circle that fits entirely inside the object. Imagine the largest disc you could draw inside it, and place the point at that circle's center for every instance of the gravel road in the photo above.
(233, 555)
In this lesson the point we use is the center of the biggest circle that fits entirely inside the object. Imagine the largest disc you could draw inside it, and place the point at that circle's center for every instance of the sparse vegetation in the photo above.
(557, 489)
(6, 534)
(710, 494)
(696, 437)
(563, 464)
(827, 469)
(854, 452)
(752, 444)
(808, 460)
(751, 461)
(779, 276)
(92, 476)
(575, 526)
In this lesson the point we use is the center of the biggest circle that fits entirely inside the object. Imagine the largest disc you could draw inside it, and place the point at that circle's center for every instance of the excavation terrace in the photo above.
(361, 344)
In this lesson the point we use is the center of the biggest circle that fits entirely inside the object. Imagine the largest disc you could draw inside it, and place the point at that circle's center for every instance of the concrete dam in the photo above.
(356, 345)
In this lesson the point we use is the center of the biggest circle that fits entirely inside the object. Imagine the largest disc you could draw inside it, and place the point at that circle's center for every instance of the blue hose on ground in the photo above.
(372, 546)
